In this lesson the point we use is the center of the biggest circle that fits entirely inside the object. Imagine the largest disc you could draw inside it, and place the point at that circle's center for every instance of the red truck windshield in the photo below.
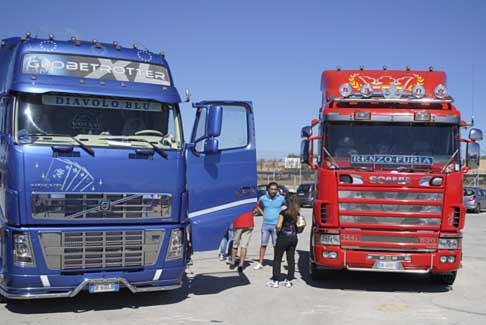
(394, 144)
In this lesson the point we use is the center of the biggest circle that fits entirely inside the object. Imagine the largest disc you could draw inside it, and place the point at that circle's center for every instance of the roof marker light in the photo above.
(361, 67)
(362, 116)
(418, 91)
(338, 68)
(73, 38)
(51, 37)
(116, 45)
(98, 45)
(94, 41)
(367, 90)
(345, 90)
(25, 37)
(135, 46)
(431, 68)
(408, 68)
(385, 67)
(421, 116)
(162, 53)
(440, 91)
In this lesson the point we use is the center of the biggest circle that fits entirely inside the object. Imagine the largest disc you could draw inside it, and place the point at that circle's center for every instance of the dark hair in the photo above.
(271, 184)
(293, 206)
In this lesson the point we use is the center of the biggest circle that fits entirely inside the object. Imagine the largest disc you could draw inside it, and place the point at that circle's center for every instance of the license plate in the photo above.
(387, 265)
(104, 287)
(300, 194)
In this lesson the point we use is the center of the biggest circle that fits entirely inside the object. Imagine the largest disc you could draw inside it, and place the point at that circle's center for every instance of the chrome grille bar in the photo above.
(101, 249)
(100, 206)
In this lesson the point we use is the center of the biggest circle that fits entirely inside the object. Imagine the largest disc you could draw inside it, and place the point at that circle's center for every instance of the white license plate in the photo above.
(387, 265)
(104, 287)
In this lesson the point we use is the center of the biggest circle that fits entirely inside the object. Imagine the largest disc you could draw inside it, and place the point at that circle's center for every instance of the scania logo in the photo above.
(105, 205)
(390, 180)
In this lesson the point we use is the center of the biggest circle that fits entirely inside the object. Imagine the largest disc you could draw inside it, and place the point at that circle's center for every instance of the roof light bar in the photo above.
(418, 91)
(345, 90)
(440, 91)
(367, 90)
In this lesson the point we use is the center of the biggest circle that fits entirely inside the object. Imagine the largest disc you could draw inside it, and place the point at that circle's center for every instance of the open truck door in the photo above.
(221, 169)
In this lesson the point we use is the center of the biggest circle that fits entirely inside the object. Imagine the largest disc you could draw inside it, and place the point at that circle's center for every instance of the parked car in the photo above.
(474, 199)
(306, 193)
(261, 189)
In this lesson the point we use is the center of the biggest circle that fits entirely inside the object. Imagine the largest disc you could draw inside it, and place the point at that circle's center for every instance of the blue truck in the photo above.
(98, 189)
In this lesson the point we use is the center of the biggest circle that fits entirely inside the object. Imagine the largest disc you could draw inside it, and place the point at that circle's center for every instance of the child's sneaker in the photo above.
(272, 284)
(286, 283)
(258, 266)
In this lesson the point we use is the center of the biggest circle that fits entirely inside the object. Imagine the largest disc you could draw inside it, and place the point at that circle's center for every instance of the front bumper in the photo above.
(65, 286)
(416, 262)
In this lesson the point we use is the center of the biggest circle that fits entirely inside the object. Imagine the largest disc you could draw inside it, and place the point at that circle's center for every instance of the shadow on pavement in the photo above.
(200, 284)
(368, 281)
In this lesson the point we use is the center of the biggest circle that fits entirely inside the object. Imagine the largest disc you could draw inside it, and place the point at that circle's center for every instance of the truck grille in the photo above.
(72, 250)
(406, 220)
(100, 206)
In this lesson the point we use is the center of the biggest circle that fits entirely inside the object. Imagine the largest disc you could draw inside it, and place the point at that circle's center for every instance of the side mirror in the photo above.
(472, 155)
(215, 121)
(211, 146)
(306, 132)
(305, 152)
(475, 135)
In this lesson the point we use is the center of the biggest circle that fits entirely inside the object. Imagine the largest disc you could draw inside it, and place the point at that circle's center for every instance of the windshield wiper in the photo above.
(89, 150)
(451, 159)
(157, 149)
(331, 158)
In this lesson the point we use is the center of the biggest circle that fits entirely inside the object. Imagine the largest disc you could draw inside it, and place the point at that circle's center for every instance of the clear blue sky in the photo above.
(273, 52)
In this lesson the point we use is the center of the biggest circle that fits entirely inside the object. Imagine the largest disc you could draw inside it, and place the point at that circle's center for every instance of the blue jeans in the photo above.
(267, 231)
(224, 246)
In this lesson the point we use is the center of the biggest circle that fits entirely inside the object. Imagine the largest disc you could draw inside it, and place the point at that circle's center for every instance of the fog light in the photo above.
(325, 254)
(451, 259)
(333, 255)
(443, 259)
(408, 259)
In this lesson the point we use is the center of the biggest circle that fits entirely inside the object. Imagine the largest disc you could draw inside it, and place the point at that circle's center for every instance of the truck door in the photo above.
(221, 169)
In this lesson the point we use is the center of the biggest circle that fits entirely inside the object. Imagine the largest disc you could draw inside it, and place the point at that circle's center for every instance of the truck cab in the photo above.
(389, 184)
(99, 189)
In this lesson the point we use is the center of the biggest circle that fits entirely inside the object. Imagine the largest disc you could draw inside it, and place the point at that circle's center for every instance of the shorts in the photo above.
(242, 237)
(267, 231)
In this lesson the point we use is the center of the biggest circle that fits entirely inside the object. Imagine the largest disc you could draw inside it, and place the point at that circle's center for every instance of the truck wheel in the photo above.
(445, 278)
(478, 209)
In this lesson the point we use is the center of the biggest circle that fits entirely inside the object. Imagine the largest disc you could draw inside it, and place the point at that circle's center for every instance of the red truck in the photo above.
(387, 150)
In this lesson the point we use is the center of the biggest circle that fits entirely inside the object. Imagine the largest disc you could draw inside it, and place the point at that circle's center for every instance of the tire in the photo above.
(445, 278)
(478, 208)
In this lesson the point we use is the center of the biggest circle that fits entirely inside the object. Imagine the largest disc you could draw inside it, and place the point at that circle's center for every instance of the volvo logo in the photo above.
(390, 180)
(105, 205)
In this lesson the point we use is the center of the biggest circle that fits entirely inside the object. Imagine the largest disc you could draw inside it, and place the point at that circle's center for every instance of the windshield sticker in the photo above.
(106, 103)
(87, 123)
(392, 160)
(95, 68)
(68, 176)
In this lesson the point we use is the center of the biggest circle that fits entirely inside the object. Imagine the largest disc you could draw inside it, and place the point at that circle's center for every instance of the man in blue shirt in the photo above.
(271, 203)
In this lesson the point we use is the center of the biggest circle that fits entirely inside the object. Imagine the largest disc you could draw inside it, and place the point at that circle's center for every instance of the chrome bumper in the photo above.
(82, 285)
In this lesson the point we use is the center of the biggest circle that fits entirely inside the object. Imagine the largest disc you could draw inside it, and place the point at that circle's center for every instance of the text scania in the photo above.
(390, 180)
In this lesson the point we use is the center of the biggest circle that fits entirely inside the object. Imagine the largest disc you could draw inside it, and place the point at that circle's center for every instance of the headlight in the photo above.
(175, 245)
(448, 243)
(22, 250)
(327, 239)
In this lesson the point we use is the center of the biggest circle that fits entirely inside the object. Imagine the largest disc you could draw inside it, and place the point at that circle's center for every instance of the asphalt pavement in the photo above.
(214, 294)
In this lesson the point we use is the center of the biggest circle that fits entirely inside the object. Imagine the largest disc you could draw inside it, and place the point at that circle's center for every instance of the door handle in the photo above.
(246, 190)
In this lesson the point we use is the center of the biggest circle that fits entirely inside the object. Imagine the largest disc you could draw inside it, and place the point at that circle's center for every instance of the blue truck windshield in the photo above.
(397, 144)
(98, 117)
